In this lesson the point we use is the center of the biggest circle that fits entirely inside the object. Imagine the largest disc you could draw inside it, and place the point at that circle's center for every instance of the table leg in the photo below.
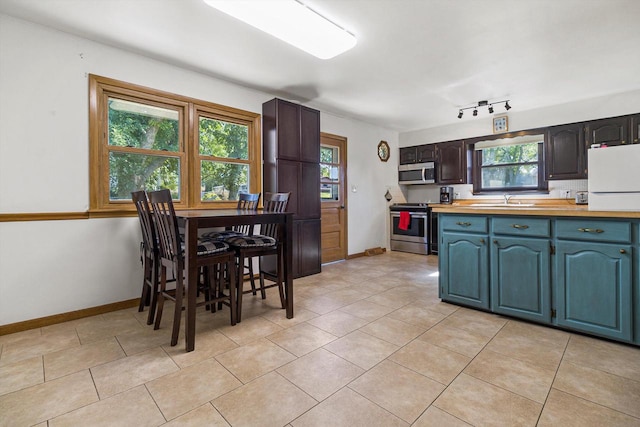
(288, 263)
(191, 281)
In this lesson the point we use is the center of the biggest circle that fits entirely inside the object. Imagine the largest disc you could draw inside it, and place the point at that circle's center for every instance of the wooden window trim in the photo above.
(188, 108)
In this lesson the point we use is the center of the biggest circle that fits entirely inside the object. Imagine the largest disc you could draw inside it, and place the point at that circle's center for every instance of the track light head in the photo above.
(475, 112)
(460, 114)
(490, 109)
(507, 106)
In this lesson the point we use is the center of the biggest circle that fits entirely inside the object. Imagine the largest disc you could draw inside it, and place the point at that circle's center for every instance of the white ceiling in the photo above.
(416, 62)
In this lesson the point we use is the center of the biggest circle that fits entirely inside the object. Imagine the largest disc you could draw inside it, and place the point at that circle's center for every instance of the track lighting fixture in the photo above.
(487, 104)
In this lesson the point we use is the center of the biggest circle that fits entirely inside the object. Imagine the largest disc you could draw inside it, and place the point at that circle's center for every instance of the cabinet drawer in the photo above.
(522, 226)
(595, 230)
(470, 223)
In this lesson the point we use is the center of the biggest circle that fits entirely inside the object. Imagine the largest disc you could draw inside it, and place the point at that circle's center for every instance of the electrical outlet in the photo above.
(456, 195)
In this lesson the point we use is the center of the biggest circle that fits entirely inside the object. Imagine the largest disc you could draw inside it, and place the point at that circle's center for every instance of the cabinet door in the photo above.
(408, 155)
(309, 135)
(426, 153)
(520, 278)
(464, 269)
(566, 152)
(288, 128)
(451, 162)
(635, 129)
(594, 288)
(611, 131)
(308, 242)
(309, 191)
(289, 181)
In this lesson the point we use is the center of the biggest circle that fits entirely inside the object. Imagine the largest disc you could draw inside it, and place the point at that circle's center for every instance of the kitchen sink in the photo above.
(501, 205)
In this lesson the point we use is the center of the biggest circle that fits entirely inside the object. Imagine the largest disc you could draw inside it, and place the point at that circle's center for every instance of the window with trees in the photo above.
(143, 139)
(509, 164)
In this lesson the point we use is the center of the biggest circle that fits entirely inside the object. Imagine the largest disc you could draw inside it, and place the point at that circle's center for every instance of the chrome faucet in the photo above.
(507, 197)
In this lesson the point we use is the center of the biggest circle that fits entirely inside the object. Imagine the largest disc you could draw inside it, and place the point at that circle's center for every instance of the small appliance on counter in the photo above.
(446, 195)
(582, 197)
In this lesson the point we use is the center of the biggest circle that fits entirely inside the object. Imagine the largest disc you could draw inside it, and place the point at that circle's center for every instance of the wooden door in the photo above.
(333, 197)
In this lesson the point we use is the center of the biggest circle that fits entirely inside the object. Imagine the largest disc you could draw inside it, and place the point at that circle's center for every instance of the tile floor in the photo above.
(371, 345)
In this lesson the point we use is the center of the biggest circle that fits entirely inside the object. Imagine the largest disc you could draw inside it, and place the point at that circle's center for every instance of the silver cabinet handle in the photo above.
(520, 227)
(591, 230)
(622, 251)
(463, 224)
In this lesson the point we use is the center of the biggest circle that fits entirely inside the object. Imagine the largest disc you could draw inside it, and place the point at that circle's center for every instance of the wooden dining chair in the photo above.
(149, 254)
(246, 202)
(268, 242)
(212, 254)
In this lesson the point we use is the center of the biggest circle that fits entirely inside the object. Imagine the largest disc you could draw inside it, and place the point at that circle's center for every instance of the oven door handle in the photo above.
(416, 214)
(424, 174)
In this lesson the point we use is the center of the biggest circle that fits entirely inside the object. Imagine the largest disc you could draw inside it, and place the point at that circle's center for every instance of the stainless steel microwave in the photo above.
(417, 173)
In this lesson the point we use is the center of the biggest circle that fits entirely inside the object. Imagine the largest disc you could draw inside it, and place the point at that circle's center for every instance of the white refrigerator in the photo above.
(614, 178)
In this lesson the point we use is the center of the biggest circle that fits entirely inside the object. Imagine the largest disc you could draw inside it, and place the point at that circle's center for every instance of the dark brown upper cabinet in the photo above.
(451, 162)
(613, 131)
(408, 155)
(426, 153)
(297, 128)
(634, 122)
(566, 152)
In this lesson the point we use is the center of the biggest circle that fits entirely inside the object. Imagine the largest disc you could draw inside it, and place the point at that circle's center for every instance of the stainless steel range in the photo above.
(417, 238)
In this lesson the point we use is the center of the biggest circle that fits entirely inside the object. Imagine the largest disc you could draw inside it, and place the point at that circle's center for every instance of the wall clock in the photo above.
(500, 124)
(383, 151)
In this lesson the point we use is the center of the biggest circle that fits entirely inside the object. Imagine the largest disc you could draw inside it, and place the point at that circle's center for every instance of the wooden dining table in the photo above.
(194, 220)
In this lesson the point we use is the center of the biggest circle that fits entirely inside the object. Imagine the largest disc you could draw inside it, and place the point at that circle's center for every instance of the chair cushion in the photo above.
(221, 235)
(208, 247)
(250, 241)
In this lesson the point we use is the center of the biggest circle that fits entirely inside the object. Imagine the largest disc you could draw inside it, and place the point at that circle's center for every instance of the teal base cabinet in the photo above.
(521, 278)
(464, 269)
(594, 288)
(581, 274)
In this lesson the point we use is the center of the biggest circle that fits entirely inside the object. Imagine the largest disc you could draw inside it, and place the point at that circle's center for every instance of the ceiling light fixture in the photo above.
(484, 104)
(291, 22)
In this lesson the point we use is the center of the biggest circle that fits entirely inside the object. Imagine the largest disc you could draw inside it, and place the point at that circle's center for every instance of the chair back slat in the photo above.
(274, 202)
(166, 224)
(247, 202)
(146, 221)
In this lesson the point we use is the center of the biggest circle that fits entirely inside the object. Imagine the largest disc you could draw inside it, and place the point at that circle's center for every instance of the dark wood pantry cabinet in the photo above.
(291, 153)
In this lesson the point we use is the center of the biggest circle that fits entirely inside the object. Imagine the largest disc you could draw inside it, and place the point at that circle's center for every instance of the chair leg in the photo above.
(251, 279)
(231, 269)
(177, 315)
(160, 304)
(155, 284)
(280, 262)
(144, 297)
(261, 274)
(239, 288)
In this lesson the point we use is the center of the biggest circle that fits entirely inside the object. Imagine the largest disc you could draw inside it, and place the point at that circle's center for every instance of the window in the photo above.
(509, 164)
(329, 173)
(142, 139)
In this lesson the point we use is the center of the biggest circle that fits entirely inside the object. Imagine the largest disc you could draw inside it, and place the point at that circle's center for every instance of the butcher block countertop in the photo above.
(536, 207)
